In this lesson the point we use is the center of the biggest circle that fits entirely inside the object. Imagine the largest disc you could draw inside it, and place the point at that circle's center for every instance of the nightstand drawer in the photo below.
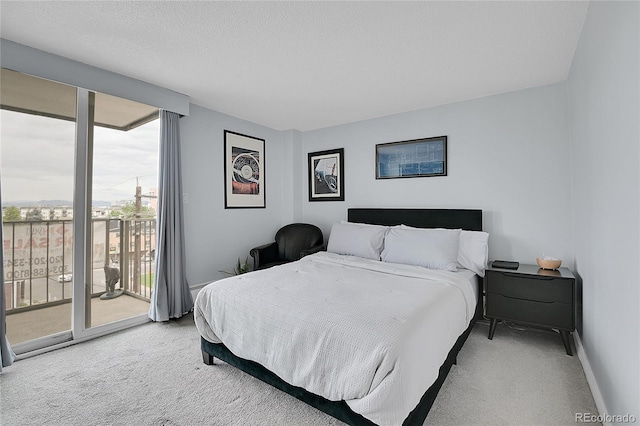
(553, 314)
(534, 288)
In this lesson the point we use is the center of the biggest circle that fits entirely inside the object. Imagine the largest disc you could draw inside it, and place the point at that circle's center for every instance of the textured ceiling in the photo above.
(308, 65)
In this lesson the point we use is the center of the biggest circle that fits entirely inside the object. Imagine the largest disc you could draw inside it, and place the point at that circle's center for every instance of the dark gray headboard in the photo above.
(468, 219)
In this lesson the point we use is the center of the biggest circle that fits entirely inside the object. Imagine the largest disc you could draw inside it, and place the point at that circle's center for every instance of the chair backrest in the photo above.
(293, 238)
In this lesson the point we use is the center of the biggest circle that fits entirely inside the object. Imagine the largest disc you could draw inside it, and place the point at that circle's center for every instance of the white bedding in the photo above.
(371, 333)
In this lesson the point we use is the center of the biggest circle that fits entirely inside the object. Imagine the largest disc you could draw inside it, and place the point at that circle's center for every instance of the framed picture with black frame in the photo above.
(326, 175)
(244, 177)
(412, 158)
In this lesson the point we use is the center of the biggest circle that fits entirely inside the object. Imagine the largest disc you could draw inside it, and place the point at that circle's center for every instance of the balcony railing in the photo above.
(38, 260)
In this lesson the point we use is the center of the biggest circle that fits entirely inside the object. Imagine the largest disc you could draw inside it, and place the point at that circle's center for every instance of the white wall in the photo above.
(604, 95)
(507, 155)
(216, 237)
(294, 176)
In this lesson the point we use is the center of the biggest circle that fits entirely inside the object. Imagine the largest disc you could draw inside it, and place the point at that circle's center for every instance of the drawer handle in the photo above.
(527, 300)
(536, 277)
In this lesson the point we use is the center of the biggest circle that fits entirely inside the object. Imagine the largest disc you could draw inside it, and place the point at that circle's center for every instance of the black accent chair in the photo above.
(293, 242)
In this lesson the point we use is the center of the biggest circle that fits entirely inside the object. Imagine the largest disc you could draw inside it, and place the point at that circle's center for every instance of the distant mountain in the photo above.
(51, 203)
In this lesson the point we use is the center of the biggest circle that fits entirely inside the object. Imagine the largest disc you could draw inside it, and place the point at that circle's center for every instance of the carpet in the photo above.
(153, 375)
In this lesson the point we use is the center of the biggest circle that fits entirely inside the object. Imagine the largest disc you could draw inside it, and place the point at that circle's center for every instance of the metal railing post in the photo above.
(124, 256)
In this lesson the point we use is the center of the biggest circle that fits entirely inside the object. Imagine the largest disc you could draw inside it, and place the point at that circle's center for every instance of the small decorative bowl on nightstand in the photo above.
(548, 263)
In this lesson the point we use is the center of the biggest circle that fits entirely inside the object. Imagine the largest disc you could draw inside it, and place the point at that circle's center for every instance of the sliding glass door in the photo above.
(37, 163)
(78, 178)
(124, 183)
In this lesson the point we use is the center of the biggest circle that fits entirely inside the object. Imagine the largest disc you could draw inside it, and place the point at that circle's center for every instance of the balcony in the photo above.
(38, 273)
(23, 325)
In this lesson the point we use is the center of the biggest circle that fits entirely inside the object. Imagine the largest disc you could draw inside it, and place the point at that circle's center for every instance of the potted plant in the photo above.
(240, 268)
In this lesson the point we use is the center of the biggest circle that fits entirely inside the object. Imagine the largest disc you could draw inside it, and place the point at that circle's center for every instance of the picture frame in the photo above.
(424, 157)
(244, 171)
(326, 175)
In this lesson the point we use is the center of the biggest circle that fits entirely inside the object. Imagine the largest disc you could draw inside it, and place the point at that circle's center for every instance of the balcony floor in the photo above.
(28, 325)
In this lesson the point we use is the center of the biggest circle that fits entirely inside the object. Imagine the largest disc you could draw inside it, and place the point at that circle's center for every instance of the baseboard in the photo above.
(591, 378)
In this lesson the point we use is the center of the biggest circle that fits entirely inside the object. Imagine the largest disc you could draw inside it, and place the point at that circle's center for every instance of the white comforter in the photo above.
(371, 333)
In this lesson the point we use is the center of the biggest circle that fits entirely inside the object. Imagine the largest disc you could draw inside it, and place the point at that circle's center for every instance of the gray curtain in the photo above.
(171, 296)
(6, 353)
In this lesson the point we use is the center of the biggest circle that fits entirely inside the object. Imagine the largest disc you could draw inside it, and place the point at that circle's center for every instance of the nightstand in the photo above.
(531, 295)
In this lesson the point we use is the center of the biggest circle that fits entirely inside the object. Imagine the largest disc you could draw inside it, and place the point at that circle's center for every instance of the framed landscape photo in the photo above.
(413, 158)
(243, 171)
(326, 175)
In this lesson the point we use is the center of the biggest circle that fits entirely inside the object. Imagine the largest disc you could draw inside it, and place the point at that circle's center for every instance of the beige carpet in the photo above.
(153, 375)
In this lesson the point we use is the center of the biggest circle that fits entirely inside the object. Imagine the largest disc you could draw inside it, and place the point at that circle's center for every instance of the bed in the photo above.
(363, 339)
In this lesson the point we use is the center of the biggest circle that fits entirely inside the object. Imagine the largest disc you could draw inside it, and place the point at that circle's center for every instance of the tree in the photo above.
(34, 215)
(11, 214)
(128, 211)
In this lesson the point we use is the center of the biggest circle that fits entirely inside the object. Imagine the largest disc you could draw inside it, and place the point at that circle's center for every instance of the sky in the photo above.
(37, 159)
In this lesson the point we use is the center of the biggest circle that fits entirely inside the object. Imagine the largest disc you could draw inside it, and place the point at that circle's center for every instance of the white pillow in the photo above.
(357, 239)
(473, 252)
(429, 248)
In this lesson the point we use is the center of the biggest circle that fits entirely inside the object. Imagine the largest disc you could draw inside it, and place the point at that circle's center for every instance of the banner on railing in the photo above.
(37, 249)
(42, 249)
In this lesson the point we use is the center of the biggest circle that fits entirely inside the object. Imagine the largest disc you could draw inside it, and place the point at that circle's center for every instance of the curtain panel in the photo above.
(171, 296)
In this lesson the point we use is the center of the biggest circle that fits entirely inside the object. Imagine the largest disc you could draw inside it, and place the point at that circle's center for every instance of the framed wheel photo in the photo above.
(326, 175)
(243, 171)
